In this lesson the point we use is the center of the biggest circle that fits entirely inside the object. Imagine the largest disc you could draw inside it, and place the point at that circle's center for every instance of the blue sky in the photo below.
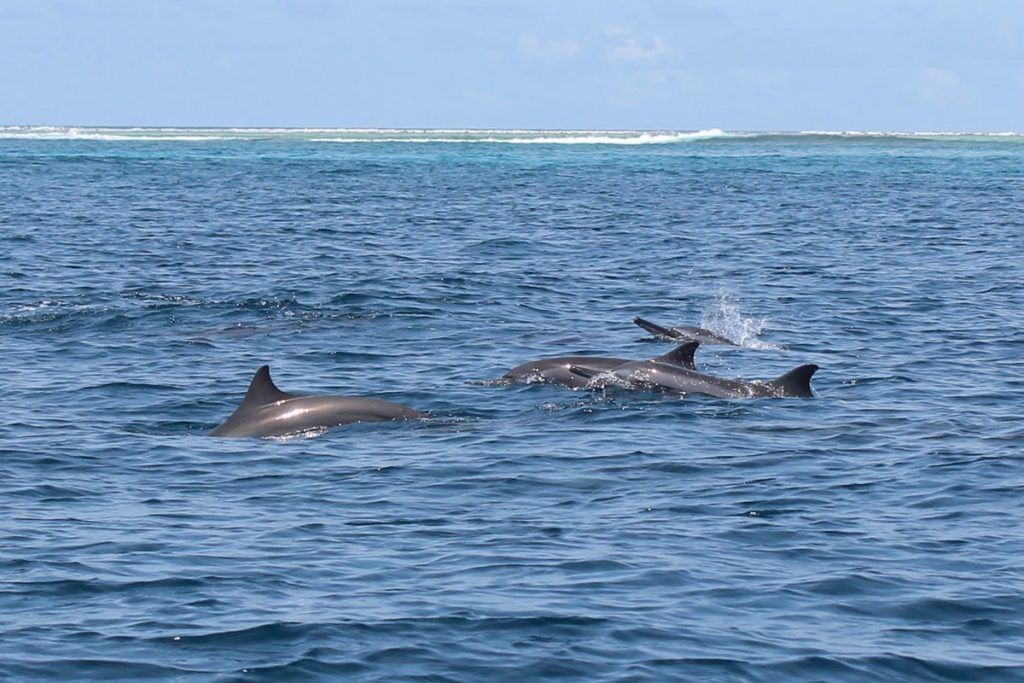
(932, 65)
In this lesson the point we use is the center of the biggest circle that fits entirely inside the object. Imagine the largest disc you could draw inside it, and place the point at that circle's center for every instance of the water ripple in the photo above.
(522, 531)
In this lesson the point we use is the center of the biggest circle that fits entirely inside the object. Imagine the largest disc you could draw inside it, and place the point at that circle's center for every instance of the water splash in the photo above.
(724, 317)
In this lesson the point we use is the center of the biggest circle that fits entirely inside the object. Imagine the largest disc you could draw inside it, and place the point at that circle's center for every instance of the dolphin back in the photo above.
(583, 371)
(262, 391)
(656, 330)
(557, 370)
(684, 333)
(267, 411)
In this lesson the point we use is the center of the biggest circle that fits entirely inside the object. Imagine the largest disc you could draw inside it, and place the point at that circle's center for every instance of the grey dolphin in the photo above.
(268, 411)
(672, 378)
(558, 370)
(700, 334)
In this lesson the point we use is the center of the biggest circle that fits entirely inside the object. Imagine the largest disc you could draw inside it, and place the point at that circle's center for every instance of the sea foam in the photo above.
(355, 135)
(515, 136)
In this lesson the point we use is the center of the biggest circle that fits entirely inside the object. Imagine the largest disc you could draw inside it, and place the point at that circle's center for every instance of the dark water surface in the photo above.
(874, 532)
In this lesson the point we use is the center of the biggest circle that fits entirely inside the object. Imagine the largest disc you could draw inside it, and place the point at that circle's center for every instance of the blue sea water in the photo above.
(527, 532)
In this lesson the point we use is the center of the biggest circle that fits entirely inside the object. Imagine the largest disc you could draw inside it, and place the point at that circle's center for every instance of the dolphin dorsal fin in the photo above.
(262, 390)
(682, 355)
(796, 382)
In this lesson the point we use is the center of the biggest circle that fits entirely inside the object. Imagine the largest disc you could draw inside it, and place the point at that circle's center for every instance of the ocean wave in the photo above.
(469, 135)
(108, 134)
(355, 135)
(540, 137)
(900, 134)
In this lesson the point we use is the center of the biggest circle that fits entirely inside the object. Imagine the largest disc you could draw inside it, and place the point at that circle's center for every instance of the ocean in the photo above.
(521, 532)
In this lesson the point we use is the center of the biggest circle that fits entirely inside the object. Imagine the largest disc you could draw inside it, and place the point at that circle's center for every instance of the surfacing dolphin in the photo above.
(686, 332)
(675, 379)
(268, 411)
(559, 370)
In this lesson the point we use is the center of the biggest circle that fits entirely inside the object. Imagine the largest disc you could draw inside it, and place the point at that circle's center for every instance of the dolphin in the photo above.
(268, 411)
(679, 380)
(559, 370)
(700, 334)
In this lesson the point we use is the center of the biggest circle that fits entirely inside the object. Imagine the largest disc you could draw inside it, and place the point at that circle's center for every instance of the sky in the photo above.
(761, 65)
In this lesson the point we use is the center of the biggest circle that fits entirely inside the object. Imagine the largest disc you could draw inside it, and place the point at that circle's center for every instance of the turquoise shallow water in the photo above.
(522, 532)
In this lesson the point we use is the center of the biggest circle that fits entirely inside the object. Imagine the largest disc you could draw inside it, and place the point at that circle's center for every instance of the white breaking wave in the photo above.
(109, 134)
(641, 138)
(524, 137)
(905, 134)
(359, 135)
(463, 135)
